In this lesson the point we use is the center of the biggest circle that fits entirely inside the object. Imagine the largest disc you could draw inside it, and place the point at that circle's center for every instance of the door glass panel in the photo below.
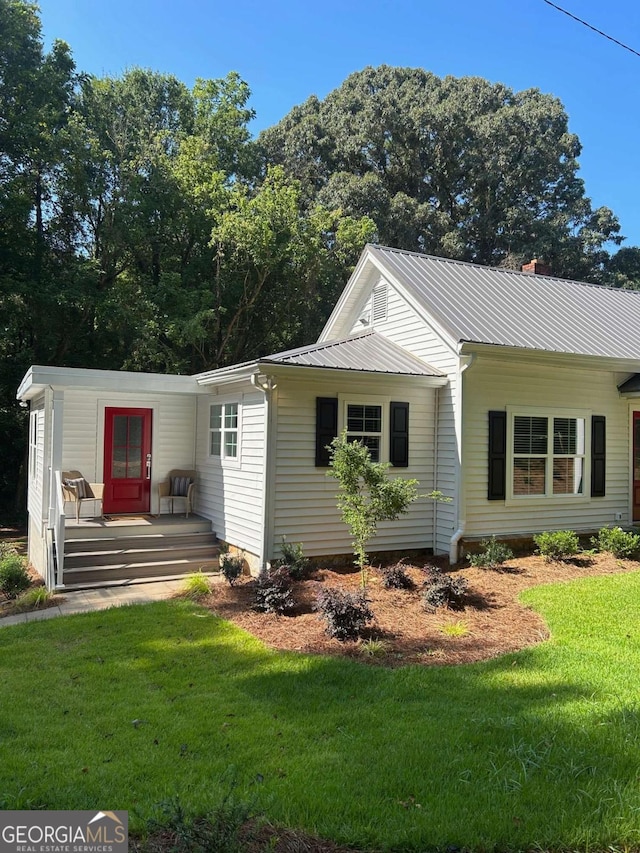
(134, 465)
(135, 430)
(119, 462)
(120, 430)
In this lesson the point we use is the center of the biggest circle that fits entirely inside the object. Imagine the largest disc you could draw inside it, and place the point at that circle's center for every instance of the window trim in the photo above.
(221, 459)
(549, 413)
(34, 425)
(345, 400)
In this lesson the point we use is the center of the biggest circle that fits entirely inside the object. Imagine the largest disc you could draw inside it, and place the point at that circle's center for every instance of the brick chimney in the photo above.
(537, 267)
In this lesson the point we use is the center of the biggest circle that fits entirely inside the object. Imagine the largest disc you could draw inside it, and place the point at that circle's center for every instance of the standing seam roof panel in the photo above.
(509, 308)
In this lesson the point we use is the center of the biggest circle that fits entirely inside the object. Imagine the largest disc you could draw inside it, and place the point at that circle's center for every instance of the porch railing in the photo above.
(55, 535)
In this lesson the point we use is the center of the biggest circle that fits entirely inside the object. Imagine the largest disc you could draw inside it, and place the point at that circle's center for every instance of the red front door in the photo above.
(127, 460)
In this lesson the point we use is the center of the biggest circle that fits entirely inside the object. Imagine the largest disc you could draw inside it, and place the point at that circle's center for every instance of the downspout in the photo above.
(465, 362)
(267, 389)
(436, 433)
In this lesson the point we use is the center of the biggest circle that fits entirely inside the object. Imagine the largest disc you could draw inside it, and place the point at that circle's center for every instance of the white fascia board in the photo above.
(39, 377)
(296, 371)
(328, 333)
(551, 358)
(227, 375)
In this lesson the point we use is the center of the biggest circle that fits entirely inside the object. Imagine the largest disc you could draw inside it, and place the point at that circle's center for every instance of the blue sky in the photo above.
(288, 50)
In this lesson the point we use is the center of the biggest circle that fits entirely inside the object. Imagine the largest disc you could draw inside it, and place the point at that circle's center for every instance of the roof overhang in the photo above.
(551, 358)
(265, 367)
(39, 377)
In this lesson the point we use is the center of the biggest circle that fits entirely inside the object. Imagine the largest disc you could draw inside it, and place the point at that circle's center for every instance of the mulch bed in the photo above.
(494, 621)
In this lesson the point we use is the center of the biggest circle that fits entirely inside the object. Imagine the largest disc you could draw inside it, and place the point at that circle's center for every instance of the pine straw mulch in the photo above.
(493, 619)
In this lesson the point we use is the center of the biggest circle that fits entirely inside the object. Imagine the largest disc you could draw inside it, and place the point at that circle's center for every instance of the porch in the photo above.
(124, 550)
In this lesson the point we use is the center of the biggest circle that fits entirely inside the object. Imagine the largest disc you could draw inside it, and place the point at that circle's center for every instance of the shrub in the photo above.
(443, 590)
(396, 577)
(557, 545)
(231, 568)
(293, 559)
(196, 586)
(33, 599)
(456, 629)
(616, 541)
(273, 591)
(493, 554)
(347, 614)
(14, 577)
(219, 830)
(374, 648)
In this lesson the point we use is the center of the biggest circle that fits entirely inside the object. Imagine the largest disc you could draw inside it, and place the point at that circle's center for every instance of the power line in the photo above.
(595, 29)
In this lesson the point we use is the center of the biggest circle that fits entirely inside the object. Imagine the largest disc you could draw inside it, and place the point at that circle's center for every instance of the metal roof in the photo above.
(368, 352)
(508, 308)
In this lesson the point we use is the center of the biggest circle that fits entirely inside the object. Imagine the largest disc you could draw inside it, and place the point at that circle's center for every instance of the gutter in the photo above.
(466, 361)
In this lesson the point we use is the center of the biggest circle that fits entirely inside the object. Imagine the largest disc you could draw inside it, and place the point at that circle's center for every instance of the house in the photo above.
(517, 394)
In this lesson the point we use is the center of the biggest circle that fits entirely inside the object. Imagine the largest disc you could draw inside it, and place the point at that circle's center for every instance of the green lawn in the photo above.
(540, 747)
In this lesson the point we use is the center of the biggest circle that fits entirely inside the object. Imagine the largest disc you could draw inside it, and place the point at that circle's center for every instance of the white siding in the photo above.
(173, 435)
(305, 497)
(406, 328)
(497, 383)
(36, 485)
(232, 495)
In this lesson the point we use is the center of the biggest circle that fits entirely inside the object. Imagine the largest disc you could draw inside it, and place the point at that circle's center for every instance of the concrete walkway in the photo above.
(88, 600)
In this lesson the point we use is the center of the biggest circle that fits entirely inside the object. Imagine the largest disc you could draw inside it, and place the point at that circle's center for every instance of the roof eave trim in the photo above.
(278, 366)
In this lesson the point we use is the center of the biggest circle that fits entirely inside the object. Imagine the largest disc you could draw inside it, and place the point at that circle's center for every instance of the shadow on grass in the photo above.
(524, 750)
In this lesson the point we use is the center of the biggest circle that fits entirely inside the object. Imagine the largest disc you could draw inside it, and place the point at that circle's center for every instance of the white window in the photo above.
(33, 444)
(364, 424)
(224, 430)
(548, 454)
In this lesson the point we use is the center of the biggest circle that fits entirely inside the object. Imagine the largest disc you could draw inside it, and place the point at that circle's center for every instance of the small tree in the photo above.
(367, 494)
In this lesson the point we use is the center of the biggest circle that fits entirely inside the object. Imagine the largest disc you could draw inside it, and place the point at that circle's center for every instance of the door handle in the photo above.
(148, 466)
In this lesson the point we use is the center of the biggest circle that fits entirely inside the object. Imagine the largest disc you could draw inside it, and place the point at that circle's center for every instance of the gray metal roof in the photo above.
(367, 351)
(508, 308)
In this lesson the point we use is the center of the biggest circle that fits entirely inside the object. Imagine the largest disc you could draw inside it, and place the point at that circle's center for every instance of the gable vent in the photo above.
(379, 303)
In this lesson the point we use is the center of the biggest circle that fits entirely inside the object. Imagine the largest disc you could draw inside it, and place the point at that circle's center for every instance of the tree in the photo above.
(457, 167)
(367, 494)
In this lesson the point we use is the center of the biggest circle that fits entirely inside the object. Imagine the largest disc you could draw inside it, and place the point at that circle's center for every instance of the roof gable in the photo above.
(468, 303)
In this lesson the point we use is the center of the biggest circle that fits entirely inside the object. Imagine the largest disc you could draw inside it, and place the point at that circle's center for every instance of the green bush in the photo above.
(493, 554)
(557, 545)
(273, 591)
(231, 568)
(347, 614)
(196, 586)
(33, 599)
(616, 541)
(14, 577)
(293, 559)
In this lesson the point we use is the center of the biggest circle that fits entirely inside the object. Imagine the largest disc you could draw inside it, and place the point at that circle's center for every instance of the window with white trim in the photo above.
(224, 430)
(364, 424)
(33, 444)
(548, 455)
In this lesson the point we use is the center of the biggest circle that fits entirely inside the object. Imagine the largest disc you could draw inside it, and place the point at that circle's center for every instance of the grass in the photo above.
(455, 629)
(124, 709)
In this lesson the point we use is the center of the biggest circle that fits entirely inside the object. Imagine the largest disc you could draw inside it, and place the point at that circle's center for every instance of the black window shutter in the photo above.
(326, 428)
(399, 435)
(598, 455)
(497, 456)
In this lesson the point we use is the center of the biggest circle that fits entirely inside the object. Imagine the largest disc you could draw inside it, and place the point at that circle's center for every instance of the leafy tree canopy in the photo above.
(457, 167)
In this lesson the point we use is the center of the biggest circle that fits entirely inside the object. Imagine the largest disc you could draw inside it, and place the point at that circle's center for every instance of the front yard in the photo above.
(129, 708)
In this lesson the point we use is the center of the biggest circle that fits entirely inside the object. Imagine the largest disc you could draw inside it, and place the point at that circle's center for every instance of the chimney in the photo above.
(537, 267)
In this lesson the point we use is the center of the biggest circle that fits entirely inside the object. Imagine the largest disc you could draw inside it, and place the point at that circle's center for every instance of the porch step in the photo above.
(85, 578)
(106, 552)
(103, 552)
